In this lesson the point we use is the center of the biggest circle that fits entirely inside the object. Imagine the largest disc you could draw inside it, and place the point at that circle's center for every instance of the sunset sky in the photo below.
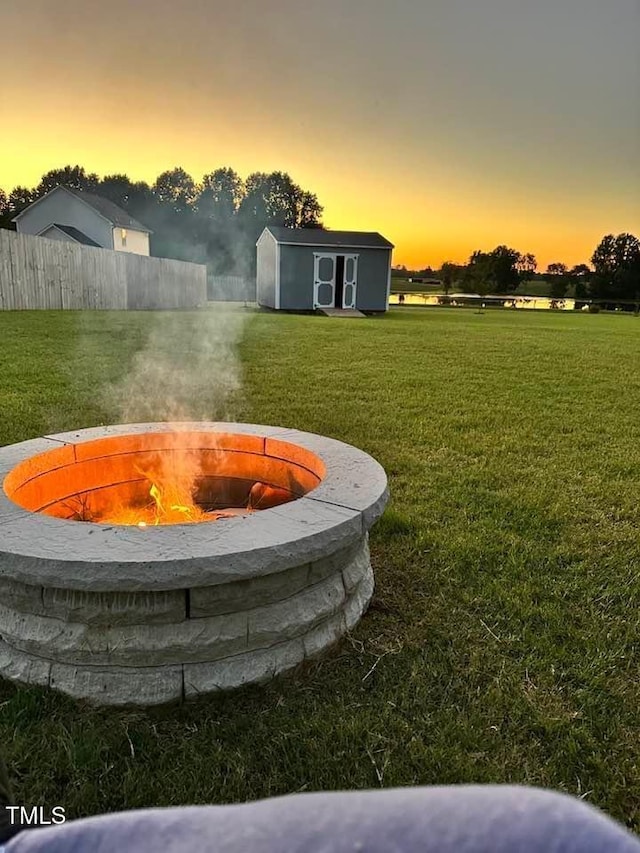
(447, 125)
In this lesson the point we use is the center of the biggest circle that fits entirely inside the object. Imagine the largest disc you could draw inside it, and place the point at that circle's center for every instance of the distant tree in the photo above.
(173, 218)
(526, 266)
(449, 273)
(616, 263)
(220, 194)
(505, 271)
(117, 188)
(176, 190)
(557, 278)
(74, 177)
(275, 199)
(478, 275)
(134, 197)
(580, 277)
(282, 199)
(499, 271)
(5, 211)
(254, 206)
(215, 222)
(19, 198)
(309, 213)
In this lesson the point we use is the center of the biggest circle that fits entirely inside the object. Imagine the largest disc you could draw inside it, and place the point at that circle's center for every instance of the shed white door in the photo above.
(350, 281)
(324, 280)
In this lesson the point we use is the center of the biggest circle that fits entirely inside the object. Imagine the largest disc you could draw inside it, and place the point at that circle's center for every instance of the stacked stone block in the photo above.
(188, 624)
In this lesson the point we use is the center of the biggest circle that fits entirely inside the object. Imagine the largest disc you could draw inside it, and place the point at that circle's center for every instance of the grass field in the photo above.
(502, 643)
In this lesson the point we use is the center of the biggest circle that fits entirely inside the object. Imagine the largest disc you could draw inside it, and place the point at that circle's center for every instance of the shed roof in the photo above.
(326, 238)
(77, 235)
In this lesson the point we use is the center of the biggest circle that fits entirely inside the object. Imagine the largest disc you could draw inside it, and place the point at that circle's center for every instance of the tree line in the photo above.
(614, 275)
(218, 220)
(214, 221)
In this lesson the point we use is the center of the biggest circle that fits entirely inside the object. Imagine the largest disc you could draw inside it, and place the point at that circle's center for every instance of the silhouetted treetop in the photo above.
(73, 177)
(616, 263)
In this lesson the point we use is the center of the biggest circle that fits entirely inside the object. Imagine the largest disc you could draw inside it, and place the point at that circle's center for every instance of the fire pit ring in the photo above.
(120, 615)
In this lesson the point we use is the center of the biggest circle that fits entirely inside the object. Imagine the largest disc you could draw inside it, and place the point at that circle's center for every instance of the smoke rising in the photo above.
(187, 370)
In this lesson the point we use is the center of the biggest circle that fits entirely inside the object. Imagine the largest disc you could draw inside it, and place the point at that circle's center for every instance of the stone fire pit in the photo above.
(130, 615)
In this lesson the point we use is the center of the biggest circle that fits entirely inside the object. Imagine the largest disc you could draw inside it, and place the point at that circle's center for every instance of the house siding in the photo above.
(266, 271)
(54, 233)
(136, 242)
(67, 209)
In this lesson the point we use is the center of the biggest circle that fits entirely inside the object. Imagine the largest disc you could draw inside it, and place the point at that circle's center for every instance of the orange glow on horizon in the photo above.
(431, 127)
(432, 209)
(423, 235)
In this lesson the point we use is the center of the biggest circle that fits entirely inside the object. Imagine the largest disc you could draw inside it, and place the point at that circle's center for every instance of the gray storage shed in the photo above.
(301, 269)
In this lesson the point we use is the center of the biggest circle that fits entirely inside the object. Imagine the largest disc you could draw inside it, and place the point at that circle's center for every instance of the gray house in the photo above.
(81, 217)
(302, 269)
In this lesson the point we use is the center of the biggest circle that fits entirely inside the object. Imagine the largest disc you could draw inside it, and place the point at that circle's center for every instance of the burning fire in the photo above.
(171, 501)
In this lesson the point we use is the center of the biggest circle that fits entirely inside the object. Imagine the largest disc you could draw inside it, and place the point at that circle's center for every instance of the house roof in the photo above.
(106, 208)
(76, 235)
(324, 237)
(116, 215)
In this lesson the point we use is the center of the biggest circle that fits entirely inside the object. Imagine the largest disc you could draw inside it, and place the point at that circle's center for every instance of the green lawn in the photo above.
(502, 643)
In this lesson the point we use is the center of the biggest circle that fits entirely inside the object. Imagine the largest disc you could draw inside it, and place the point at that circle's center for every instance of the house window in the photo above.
(123, 234)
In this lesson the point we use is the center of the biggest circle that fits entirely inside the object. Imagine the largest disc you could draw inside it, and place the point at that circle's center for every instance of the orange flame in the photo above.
(168, 496)
(171, 492)
(174, 504)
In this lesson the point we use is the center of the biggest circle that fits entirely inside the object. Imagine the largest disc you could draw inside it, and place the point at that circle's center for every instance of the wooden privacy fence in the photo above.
(40, 273)
(231, 288)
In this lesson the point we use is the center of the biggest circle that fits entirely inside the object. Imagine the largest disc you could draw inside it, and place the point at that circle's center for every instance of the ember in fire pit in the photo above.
(207, 556)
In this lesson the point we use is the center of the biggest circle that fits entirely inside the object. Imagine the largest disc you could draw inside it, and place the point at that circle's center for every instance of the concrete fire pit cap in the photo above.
(39, 550)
